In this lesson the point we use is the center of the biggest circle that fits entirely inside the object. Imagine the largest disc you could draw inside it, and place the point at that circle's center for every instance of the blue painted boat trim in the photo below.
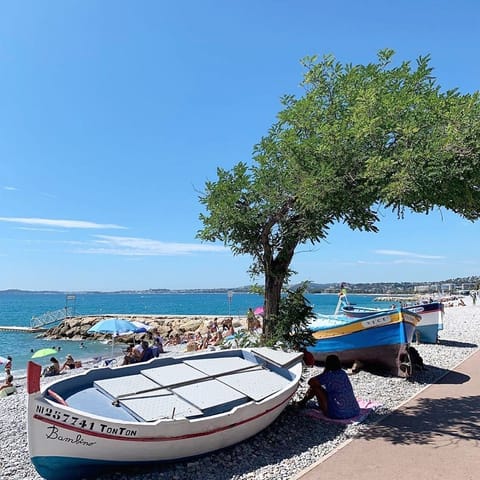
(428, 333)
(72, 468)
(390, 334)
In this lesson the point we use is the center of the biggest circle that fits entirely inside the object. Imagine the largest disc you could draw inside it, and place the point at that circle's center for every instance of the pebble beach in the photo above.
(294, 441)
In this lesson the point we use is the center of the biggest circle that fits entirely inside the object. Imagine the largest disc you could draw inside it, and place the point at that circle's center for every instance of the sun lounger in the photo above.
(5, 392)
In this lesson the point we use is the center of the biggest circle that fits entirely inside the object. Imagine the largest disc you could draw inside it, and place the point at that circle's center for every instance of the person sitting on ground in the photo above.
(217, 338)
(333, 391)
(129, 356)
(157, 342)
(191, 346)
(138, 351)
(157, 347)
(53, 369)
(69, 363)
(8, 382)
(147, 352)
(224, 324)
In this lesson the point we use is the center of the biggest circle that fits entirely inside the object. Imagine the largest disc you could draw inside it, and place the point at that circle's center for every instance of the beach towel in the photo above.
(366, 406)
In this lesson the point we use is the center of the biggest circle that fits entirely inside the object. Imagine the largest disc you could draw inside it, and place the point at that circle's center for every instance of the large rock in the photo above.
(75, 328)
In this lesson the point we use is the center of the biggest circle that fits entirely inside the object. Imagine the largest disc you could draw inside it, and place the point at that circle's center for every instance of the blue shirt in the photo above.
(341, 399)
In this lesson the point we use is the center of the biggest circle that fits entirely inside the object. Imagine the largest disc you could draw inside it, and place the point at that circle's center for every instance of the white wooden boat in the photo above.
(160, 411)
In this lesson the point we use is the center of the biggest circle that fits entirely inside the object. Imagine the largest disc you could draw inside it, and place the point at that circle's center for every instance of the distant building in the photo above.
(422, 288)
(446, 287)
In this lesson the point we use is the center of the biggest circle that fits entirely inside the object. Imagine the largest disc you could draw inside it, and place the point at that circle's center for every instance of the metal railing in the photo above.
(49, 318)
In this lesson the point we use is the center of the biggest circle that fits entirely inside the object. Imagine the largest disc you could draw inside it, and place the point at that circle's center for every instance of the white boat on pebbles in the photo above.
(164, 410)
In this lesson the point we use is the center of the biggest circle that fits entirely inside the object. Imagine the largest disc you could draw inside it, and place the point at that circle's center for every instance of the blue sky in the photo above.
(113, 114)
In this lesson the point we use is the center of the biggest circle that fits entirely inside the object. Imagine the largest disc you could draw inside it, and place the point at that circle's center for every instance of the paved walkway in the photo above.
(436, 435)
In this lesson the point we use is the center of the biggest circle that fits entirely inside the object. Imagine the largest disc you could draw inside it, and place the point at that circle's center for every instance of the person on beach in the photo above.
(157, 340)
(251, 320)
(129, 356)
(147, 353)
(138, 351)
(333, 391)
(8, 382)
(53, 369)
(69, 363)
(157, 347)
(8, 365)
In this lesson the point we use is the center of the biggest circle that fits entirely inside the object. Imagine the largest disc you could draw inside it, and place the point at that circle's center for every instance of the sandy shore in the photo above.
(293, 442)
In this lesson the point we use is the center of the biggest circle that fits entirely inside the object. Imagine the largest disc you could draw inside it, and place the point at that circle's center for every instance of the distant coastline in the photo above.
(452, 285)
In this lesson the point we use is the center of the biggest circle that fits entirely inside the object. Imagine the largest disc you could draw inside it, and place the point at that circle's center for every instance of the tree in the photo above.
(360, 138)
(291, 324)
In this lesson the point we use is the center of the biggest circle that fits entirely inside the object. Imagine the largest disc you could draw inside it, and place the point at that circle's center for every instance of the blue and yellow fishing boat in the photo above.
(377, 341)
(427, 329)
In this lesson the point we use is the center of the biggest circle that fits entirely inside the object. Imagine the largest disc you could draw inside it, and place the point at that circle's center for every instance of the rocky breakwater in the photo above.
(75, 328)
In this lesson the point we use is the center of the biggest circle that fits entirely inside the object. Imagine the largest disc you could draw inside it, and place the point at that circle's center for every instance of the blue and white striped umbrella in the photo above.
(113, 326)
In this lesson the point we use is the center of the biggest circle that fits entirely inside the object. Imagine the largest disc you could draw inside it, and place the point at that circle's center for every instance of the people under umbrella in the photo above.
(142, 351)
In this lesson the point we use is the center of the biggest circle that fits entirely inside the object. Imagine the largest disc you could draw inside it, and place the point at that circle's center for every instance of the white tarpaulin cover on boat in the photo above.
(130, 384)
(169, 375)
(256, 384)
(220, 366)
(210, 394)
(159, 404)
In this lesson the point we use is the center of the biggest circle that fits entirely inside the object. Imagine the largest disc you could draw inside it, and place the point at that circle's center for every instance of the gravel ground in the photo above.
(293, 442)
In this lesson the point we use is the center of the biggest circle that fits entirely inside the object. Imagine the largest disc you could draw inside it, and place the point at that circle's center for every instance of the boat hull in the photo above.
(66, 443)
(431, 322)
(427, 328)
(378, 341)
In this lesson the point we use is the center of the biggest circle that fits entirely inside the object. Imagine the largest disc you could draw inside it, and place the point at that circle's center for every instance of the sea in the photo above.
(18, 309)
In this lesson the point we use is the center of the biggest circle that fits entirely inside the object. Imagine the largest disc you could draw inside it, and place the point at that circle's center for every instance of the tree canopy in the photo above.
(360, 138)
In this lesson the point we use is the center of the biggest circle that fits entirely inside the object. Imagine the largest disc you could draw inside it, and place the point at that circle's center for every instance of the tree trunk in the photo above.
(273, 292)
(275, 271)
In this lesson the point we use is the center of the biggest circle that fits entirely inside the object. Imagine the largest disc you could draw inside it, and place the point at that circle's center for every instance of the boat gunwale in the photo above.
(356, 324)
(45, 393)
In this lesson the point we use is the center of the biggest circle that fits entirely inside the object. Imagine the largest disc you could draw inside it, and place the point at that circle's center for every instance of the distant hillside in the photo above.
(452, 284)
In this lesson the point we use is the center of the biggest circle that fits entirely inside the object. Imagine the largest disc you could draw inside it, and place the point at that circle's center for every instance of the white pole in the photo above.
(230, 295)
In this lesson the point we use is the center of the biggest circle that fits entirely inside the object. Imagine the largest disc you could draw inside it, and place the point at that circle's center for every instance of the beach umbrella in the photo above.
(113, 327)
(141, 327)
(43, 352)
